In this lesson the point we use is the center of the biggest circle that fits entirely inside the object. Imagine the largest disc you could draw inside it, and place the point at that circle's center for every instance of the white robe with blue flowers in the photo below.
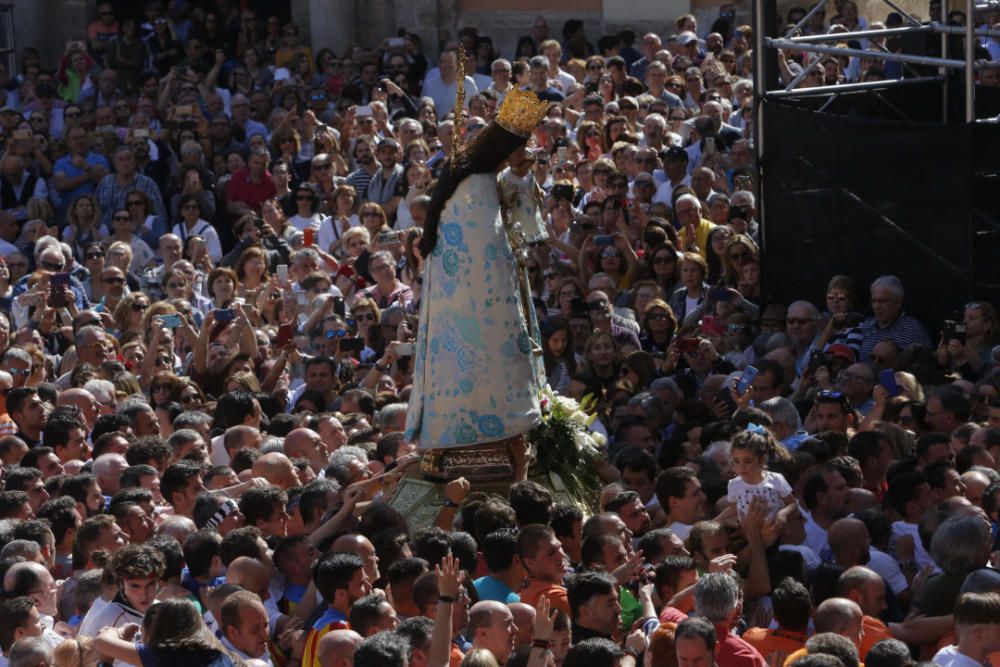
(475, 377)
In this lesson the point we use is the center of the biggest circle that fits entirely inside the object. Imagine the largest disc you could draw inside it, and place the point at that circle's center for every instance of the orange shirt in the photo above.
(535, 588)
(767, 641)
(875, 631)
(456, 657)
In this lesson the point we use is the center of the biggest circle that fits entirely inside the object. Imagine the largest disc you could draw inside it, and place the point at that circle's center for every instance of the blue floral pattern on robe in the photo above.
(475, 377)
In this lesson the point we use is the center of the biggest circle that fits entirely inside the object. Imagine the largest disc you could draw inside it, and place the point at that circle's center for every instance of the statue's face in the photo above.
(519, 158)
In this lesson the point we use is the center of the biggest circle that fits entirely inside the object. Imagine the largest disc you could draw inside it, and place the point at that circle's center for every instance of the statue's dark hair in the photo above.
(481, 155)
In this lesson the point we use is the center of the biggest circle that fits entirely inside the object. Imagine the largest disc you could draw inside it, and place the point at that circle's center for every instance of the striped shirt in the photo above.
(330, 620)
(111, 196)
(904, 331)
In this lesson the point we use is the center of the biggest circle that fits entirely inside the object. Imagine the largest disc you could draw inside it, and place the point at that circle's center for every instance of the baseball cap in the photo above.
(9, 109)
(686, 38)
(675, 153)
(388, 141)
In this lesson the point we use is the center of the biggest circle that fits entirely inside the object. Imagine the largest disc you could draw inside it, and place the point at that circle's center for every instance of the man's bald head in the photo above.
(840, 616)
(336, 648)
(251, 574)
(276, 468)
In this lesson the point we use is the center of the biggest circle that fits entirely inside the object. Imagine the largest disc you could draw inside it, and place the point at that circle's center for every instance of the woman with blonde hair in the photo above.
(129, 311)
(76, 652)
(243, 381)
(342, 218)
(83, 224)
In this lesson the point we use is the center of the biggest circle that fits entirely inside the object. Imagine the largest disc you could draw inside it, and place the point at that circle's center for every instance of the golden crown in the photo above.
(521, 111)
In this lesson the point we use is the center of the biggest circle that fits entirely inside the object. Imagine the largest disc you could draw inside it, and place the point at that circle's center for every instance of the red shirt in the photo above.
(735, 652)
(241, 188)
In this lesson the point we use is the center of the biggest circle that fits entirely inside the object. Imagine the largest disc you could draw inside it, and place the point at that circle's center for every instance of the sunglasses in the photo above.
(52, 266)
(368, 317)
(658, 316)
(176, 285)
(124, 218)
(139, 307)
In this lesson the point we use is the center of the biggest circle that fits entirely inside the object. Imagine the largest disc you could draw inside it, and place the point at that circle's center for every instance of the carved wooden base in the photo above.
(479, 463)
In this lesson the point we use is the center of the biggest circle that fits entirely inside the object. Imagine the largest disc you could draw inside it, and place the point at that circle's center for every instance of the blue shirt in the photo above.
(66, 166)
(491, 588)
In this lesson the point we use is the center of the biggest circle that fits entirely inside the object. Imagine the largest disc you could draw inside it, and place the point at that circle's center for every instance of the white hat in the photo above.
(683, 39)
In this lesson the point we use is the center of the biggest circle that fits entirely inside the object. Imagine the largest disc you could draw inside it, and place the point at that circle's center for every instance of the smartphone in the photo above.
(396, 42)
(954, 330)
(561, 153)
(351, 344)
(720, 294)
(577, 305)
(404, 349)
(285, 332)
(562, 192)
(141, 134)
(749, 373)
(386, 238)
(224, 315)
(687, 345)
(363, 111)
(184, 110)
(57, 295)
(170, 320)
(22, 135)
(309, 236)
(887, 378)
(301, 298)
(709, 147)
(816, 359)
(604, 240)
(282, 271)
(338, 306)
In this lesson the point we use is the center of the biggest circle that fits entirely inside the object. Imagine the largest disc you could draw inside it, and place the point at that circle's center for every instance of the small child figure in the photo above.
(750, 449)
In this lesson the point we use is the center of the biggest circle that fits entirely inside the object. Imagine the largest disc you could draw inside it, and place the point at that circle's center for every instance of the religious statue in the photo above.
(478, 371)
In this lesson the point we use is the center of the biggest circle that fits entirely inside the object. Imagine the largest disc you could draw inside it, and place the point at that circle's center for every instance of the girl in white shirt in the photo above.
(750, 450)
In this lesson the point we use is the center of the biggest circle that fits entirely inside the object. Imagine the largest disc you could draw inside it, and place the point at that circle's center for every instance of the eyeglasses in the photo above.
(336, 333)
(52, 266)
(176, 285)
(113, 280)
(19, 371)
(121, 218)
(367, 317)
(836, 297)
(605, 255)
(658, 316)
(135, 202)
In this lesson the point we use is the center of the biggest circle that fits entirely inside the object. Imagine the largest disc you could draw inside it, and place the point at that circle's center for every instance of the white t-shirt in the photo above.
(888, 568)
(681, 530)
(950, 657)
(815, 535)
(771, 489)
(900, 528)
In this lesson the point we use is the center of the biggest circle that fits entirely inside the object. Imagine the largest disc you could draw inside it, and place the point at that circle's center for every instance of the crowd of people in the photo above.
(210, 283)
